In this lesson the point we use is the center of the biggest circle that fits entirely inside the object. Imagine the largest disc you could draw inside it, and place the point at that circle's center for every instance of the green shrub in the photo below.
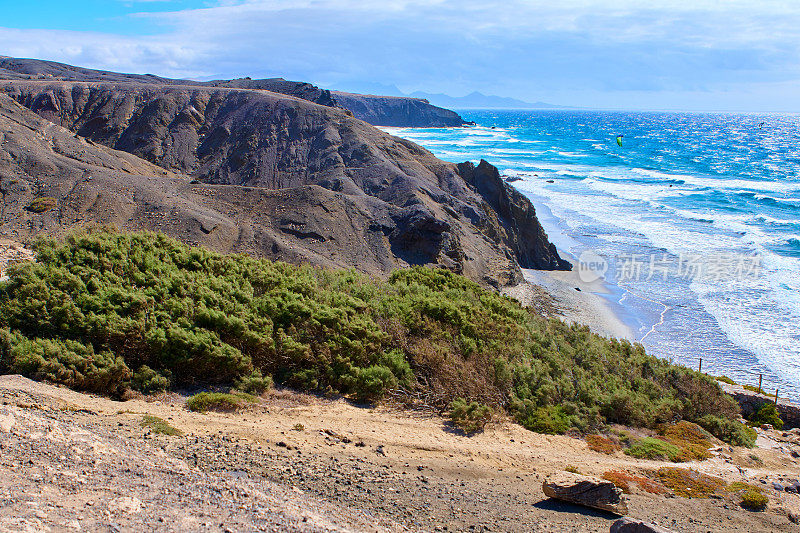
(370, 384)
(652, 448)
(160, 426)
(550, 420)
(97, 303)
(255, 383)
(149, 381)
(469, 417)
(730, 431)
(754, 501)
(42, 204)
(753, 498)
(69, 363)
(767, 414)
(725, 379)
(218, 401)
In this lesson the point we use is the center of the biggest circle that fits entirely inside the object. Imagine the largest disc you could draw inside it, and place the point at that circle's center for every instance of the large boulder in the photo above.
(586, 491)
(631, 525)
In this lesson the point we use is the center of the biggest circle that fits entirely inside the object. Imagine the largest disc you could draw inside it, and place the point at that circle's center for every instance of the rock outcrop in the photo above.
(586, 491)
(516, 218)
(630, 525)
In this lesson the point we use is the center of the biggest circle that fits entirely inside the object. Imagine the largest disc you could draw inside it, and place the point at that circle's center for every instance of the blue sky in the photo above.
(629, 54)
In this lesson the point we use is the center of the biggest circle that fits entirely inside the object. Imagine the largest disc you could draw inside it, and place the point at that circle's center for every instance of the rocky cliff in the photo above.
(398, 111)
(376, 110)
(255, 171)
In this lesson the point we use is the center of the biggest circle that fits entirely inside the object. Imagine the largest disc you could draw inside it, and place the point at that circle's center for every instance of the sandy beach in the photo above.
(571, 299)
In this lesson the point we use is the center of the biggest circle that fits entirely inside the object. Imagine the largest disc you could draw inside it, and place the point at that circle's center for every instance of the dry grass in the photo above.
(160, 426)
(692, 440)
(689, 483)
(602, 444)
(624, 482)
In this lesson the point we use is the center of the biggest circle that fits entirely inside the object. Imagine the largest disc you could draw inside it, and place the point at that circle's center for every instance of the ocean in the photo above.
(694, 221)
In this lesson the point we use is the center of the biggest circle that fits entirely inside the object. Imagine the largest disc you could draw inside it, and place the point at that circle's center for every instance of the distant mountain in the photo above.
(480, 100)
(369, 88)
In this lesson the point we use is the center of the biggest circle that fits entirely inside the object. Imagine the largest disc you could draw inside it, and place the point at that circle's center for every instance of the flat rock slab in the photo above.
(586, 491)
(631, 525)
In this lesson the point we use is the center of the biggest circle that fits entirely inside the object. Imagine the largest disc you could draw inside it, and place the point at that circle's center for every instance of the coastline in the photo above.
(589, 305)
(595, 304)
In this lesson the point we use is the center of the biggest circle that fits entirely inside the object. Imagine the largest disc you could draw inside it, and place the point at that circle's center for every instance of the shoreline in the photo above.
(588, 306)
(596, 304)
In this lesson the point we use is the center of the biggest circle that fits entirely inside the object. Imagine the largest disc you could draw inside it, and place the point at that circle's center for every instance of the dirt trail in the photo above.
(400, 467)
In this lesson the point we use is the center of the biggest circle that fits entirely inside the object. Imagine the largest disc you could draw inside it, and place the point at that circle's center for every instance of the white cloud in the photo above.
(520, 47)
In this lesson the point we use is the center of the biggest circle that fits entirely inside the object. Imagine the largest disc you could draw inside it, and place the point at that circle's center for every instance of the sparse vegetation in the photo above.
(469, 417)
(105, 312)
(42, 204)
(689, 483)
(218, 401)
(160, 426)
(572, 469)
(752, 496)
(725, 379)
(756, 460)
(625, 481)
(299, 427)
(602, 444)
(753, 388)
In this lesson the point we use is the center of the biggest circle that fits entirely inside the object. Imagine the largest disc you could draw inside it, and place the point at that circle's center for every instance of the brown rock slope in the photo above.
(251, 170)
(377, 110)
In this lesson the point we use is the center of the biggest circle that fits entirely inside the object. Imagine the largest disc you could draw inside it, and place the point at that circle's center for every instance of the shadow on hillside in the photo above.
(551, 504)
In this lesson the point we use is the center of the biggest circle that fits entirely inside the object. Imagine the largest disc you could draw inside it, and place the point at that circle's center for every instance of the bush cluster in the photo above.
(42, 204)
(752, 496)
(625, 481)
(106, 311)
(469, 417)
(728, 430)
(218, 401)
(767, 414)
(602, 444)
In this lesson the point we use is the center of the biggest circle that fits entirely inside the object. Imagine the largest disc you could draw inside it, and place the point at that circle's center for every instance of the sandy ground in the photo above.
(402, 467)
(11, 252)
(585, 306)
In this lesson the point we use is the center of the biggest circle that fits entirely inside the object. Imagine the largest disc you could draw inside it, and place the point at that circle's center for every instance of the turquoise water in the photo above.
(705, 206)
